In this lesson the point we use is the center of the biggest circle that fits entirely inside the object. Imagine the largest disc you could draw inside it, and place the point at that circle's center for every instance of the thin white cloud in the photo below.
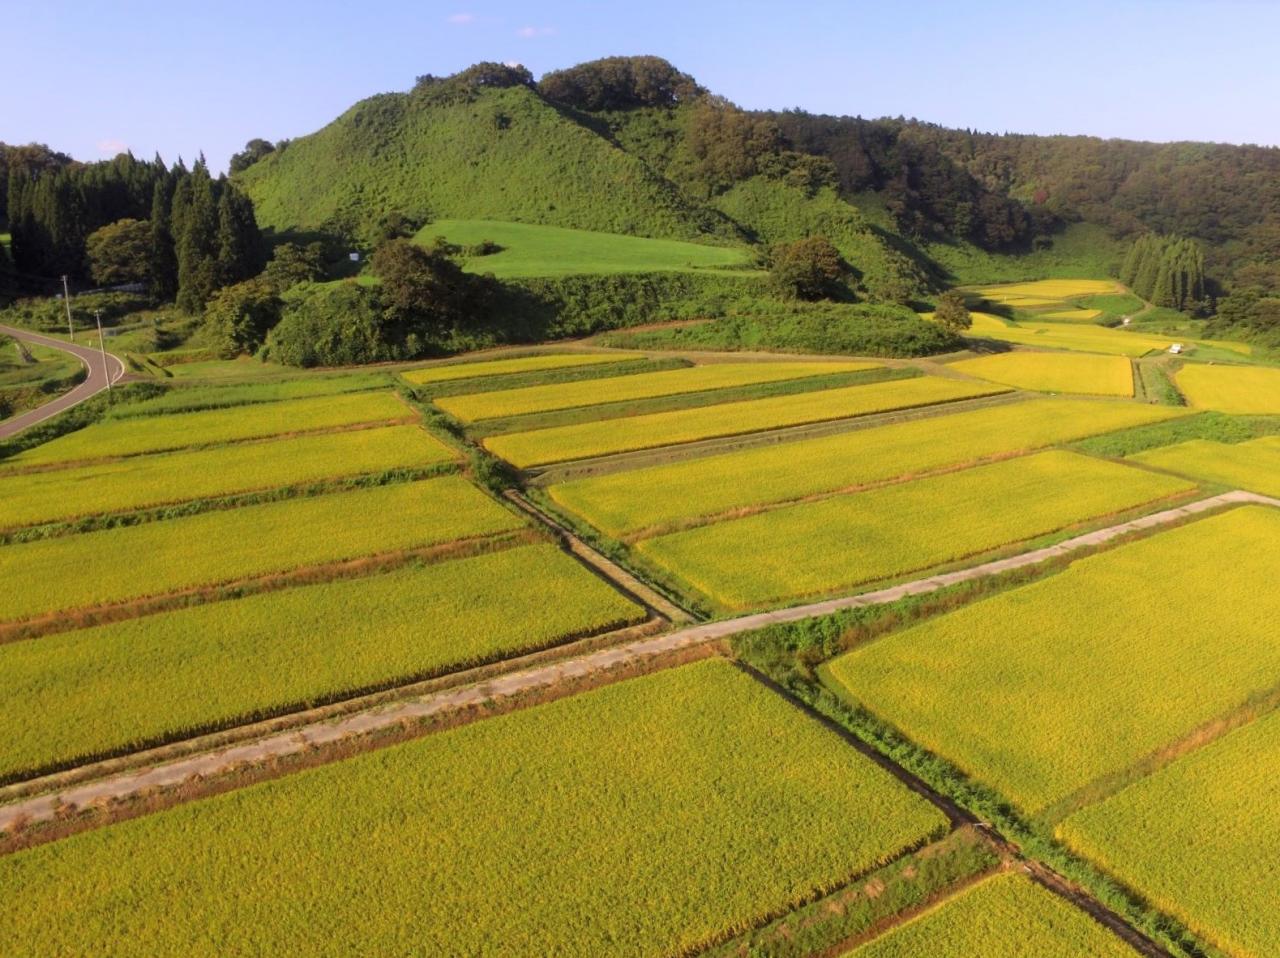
(462, 19)
(530, 32)
(112, 146)
(514, 64)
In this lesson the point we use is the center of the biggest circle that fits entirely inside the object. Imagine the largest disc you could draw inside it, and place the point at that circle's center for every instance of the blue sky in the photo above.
(90, 78)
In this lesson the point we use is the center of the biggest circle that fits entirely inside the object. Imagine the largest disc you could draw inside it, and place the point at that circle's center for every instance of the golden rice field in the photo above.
(669, 382)
(1243, 390)
(628, 502)
(125, 485)
(1005, 915)
(189, 398)
(1197, 838)
(1253, 465)
(520, 364)
(1051, 289)
(226, 545)
(1072, 315)
(1043, 689)
(71, 695)
(1054, 372)
(540, 447)
(131, 437)
(836, 544)
(648, 817)
(1080, 337)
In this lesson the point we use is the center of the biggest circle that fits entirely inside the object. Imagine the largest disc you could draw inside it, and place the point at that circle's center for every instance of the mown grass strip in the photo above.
(474, 407)
(565, 443)
(1202, 824)
(1054, 372)
(83, 571)
(1008, 914)
(1241, 390)
(628, 502)
(502, 367)
(147, 481)
(132, 437)
(746, 808)
(1043, 689)
(1253, 465)
(836, 544)
(108, 689)
(196, 398)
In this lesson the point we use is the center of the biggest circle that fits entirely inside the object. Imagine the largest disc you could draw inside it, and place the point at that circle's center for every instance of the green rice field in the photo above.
(189, 398)
(521, 364)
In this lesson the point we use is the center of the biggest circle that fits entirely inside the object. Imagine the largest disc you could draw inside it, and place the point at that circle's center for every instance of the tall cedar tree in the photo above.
(197, 243)
(238, 238)
(164, 258)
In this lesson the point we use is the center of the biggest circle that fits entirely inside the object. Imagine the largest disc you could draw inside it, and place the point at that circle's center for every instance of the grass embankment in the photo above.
(1046, 689)
(148, 481)
(561, 825)
(836, 544)
(565, 443)
(1054, 372)
(628, 502)
(111, 688)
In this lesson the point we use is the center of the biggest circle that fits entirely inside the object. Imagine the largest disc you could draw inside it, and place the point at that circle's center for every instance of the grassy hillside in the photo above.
(502, 154)
(531, 250)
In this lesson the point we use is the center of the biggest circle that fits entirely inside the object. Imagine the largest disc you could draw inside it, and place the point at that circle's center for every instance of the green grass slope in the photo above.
(533, 250)
(499, 154)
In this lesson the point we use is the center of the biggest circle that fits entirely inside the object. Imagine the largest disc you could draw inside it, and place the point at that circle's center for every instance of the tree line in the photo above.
(1167, 271)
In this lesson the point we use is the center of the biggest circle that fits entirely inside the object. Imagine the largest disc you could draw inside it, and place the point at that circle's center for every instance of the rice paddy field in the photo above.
(1054, 372)
(134, 436)
(1252, 465)
(95, 691)
(1243, 390)
(1046, 688)
(473, 407)
(1082, 338)
(148, 481)
(538, 362)
(228, 545)
(190, 398)
(559, 829)
(1007, 915)
(836, 544)
(540, 447)
(626, 503)
(1050, 289)
(1197, 838)
(1073, 315)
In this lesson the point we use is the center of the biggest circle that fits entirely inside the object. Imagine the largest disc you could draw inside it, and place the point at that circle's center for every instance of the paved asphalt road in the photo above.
(94, 383)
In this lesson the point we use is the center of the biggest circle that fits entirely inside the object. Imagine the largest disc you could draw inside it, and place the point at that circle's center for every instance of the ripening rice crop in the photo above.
(668, 382)
(1072, 315)
(649, 817)
(1049, 288)
(850, 540)
(131, 437)
(1054, 372)
(74, 694)
(521, 364)
(585, 440)
(192, 398)
(1253, 465)
(1079, 337)
(130, 484)
(1044, 689)
(1198, 838)
(226, 545)
(627, 502)
(1006, 915)
(1244, 390)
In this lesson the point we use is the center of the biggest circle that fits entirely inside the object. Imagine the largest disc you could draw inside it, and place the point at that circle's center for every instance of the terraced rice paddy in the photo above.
(1083, 338)
(1073, 315)
(1253, 465)
(520, 364)
(1005, 915)
(627, 502)
(582, 441)
(74, 694)
(835, 544)
(560, 828)
(474, 407)
(193, 398)
(1047, 688)
(233, 544)
(1051, 289)
(1197, 838)
(131, 437)
(1054, 372)
(146, 481)
(1243, 390)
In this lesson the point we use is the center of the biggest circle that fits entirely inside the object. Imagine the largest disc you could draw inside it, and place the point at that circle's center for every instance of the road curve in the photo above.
(93, 384)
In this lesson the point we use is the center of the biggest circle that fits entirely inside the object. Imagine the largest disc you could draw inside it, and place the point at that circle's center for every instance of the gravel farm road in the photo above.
(94, 383)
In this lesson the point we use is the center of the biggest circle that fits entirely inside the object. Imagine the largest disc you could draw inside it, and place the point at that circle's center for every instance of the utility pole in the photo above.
(66, 298)
(102, 347)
